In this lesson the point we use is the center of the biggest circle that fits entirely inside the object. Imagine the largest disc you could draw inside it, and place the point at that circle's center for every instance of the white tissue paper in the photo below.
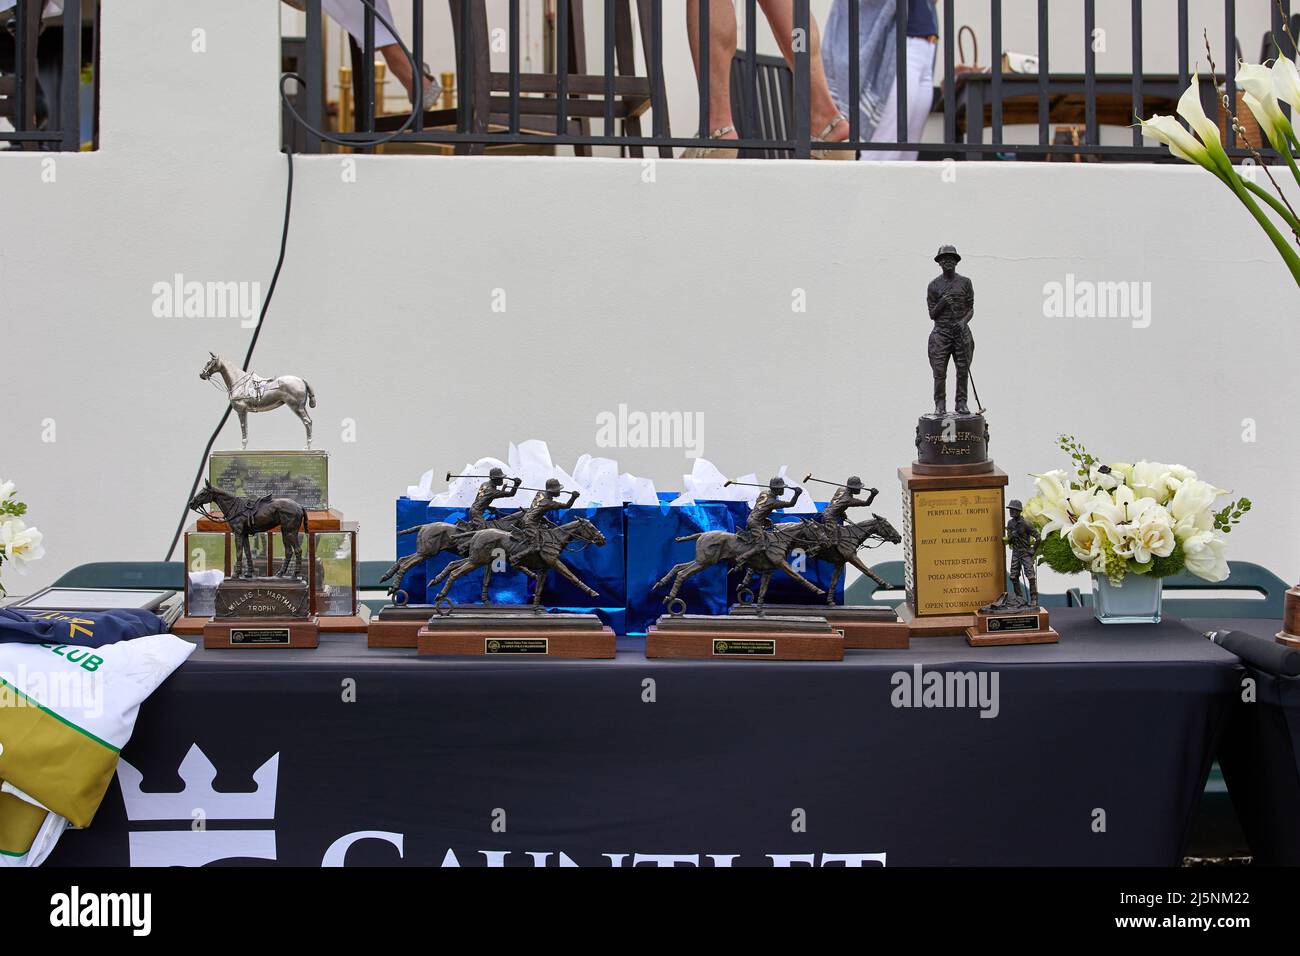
(597, 481)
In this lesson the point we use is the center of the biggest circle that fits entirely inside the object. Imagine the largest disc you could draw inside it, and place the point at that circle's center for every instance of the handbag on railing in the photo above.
(974, 65)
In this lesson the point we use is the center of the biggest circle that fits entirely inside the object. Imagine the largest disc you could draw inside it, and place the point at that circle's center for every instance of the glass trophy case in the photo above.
(329, 565)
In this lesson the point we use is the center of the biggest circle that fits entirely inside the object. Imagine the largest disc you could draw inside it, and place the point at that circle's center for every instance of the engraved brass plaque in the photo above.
(516, 645)
(743, 648)
(958, 557)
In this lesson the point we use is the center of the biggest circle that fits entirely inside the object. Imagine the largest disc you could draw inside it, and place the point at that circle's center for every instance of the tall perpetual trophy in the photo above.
(760, 548)
(834, 537)
(1016, 617)
(526, 541)
(952, 493)
(299, 475)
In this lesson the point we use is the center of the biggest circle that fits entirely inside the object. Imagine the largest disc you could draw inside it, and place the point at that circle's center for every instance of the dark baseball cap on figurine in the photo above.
(553, 484)
(947, 251)
(1015, 505)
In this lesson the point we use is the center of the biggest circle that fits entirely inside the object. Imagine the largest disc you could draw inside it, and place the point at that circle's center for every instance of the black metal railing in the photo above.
(557, 108)
(41, 64)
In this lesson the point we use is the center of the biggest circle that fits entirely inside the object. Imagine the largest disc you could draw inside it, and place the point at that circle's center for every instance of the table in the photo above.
(1097, 754)
(1065, 96)
(1259, 754)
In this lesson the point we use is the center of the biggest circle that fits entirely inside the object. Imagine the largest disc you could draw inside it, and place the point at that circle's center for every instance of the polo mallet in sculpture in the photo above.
(970, 374)
(837, 484)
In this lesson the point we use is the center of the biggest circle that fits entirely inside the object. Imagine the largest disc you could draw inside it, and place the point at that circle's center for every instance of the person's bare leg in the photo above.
(398, 65)
(780, 15)
(722, 47)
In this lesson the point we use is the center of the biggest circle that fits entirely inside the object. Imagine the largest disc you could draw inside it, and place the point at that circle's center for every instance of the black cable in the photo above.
(417, 104)
(248, 356)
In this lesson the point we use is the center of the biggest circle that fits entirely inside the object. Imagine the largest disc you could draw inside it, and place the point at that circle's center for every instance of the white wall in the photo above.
(667, 295)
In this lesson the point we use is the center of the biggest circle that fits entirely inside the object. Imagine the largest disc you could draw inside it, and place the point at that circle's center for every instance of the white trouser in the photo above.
(920, 95)
(351, 16)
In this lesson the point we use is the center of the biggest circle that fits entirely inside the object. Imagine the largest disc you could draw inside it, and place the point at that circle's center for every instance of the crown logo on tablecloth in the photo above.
(198, 773)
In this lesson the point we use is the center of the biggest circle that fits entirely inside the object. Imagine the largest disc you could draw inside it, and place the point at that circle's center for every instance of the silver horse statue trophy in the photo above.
(248, 392)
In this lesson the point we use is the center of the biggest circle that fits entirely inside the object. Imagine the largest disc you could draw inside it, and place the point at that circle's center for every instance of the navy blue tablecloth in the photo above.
(1094, 751)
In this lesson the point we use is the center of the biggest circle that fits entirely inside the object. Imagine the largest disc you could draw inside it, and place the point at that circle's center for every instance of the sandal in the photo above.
(831, 153)
(714, 152)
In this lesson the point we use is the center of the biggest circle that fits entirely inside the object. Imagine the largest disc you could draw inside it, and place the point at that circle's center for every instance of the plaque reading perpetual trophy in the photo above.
(1016, 617)
(526, 541)
(214, 550)
(260, 611)
(1290, 633)
(836, 539)
(761, 547)
(952, 493)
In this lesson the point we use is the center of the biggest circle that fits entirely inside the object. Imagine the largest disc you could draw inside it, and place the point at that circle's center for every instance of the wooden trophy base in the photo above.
(864, 627)
(190, 626)
(1025, 626)
(345, 623)
(514, 631)
(257, 633)
(396, 625)
(1289, 636)
(746, 637)
(330, 519)
(934, 625)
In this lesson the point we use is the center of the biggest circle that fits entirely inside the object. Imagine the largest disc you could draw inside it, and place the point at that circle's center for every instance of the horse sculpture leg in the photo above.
(243, 427)
(451, 567)
(567, 572)
(248, 556)
(671, 572)
(692, 567)
(487, 579)
(858, 563)
(762, 589)
(785, 566)
(301, 412)
(835, 579)
(540, 578)
(466, 566)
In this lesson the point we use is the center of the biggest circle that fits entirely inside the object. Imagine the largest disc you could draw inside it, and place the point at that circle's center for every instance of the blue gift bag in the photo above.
(652, 549)
(410, 514)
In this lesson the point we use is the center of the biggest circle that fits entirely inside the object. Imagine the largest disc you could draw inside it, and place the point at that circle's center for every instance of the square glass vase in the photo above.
(1136, 601)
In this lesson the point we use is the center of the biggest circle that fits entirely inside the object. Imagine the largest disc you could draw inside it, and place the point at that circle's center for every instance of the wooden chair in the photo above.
(487, 91)
(863, 590)
(1243, 576)
(125, 575)
(761, 103)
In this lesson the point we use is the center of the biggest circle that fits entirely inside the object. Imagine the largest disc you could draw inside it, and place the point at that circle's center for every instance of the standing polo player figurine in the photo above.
(248, 392)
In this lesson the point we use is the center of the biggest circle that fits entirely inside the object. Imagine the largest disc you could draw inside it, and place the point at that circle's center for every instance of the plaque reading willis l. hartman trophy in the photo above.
(952, 492)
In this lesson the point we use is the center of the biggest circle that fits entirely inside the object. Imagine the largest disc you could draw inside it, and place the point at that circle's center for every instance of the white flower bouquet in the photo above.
(19, 544)
(1120, 518)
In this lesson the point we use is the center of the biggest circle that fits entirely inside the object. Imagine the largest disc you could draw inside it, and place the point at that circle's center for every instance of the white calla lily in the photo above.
(1257, 85)
(1167, 130)
(1286, 82)
(1191, 109)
